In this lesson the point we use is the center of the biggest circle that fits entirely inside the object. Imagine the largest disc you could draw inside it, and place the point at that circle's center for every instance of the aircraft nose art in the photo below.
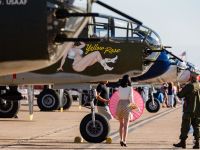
(94, 59)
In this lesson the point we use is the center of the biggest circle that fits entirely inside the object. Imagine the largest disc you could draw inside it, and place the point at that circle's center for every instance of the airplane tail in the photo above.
(183, 56)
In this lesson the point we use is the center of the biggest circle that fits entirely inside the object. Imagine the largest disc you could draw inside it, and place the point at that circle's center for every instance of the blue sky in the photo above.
(176, 21)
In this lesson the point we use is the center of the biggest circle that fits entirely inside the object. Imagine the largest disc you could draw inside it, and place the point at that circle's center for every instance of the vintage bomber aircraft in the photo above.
(29, 32)
(124, 46)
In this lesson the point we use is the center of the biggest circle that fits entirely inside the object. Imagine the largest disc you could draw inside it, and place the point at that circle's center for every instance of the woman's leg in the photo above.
(90, 60)
(121, 129)
(166, 99)
(172, 100)
(169, 101)
(126, 124)
(86, 61)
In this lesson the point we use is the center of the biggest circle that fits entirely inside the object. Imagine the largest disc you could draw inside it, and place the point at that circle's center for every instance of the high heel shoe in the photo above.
(124, 144)
(111, 60)
(121, 143)
(105, 66)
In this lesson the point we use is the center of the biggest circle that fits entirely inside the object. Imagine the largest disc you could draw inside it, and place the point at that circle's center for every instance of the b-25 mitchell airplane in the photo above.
(125, 46)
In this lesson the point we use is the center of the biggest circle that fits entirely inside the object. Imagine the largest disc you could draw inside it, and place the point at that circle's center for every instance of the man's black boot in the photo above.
(181, 144)
(196, 144)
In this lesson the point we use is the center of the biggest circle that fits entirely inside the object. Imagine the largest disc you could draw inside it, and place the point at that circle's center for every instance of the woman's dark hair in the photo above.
(170, 85)
(126, 81)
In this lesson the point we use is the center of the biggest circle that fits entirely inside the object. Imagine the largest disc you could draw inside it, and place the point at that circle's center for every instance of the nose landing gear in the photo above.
(94, 127)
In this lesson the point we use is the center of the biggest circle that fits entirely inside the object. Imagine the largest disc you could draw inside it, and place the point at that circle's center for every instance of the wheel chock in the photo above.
(31, 117)
(108, 140)
(78, 139)
(61, 109)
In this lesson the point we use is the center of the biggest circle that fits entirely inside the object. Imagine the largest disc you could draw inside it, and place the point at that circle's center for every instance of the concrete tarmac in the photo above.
(57, 130)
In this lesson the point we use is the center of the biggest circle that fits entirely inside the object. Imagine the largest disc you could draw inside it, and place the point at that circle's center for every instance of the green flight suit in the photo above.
(191, 110)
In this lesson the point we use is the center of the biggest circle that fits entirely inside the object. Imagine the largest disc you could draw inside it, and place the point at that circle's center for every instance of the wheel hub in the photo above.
(152, 105)
(94, 131)
(48, 101)
(5, 106)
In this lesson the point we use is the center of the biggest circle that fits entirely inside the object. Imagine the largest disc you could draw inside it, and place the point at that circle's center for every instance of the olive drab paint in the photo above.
(23, 30)
(129, 58)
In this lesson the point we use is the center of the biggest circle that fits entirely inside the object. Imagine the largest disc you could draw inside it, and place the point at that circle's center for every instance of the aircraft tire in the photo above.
(48, 100)
(8, 108)
(68, 101)
(94, 134)
(153, 108)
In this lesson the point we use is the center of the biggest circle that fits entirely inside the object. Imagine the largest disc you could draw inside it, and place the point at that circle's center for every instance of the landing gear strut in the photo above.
(94, 127)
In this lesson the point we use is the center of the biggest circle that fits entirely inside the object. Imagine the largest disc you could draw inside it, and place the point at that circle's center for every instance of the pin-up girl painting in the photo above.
(80, 62)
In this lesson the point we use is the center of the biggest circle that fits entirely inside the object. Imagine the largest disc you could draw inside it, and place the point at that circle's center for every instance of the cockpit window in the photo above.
(101, 28)
(153, 39)
(120, 28)
(117, 29)
(78, 3)
(147, 35)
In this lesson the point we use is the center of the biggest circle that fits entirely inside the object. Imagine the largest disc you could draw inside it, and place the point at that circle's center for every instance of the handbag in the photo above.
(132, 106)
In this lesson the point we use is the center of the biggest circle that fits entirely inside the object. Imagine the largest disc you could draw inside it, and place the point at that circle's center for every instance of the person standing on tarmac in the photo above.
(103, 100)
(191, 112)
(164, 91)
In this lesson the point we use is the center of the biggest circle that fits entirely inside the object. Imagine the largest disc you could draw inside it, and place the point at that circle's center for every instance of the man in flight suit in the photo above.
(191, 112)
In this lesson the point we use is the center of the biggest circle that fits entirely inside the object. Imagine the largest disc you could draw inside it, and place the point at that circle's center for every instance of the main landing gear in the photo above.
(49, 100)
(9, 101)
(94, 127)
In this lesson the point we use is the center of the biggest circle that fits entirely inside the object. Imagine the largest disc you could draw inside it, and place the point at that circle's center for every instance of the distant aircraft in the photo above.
(107, 48)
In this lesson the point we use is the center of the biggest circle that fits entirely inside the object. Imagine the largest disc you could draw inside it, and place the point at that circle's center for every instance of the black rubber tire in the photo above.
(153, 109)
(87, 130)
(68, 101)
(48, 100)
(9, 109)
